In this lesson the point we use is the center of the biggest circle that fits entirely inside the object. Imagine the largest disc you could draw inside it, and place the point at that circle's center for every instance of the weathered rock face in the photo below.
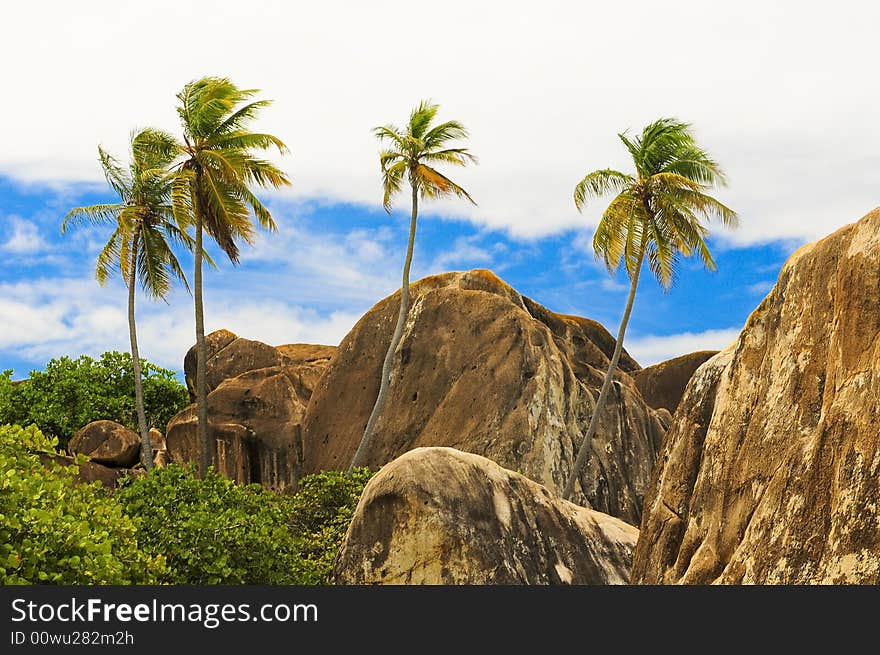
(441, 516)
(107, 442)
(770, 472)
(662, 385)
(160, 448)
(92, 471)
(482, 369)
(254, 414)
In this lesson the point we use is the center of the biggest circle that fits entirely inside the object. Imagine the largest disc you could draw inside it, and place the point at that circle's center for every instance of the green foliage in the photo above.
(412, 153)
(72, 392)
(213, 531)
(657, 213)
(319, 514)
(54, 530)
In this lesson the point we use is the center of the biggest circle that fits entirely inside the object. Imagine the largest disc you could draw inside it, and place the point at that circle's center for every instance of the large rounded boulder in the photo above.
(441, 516)
(770, 472)
(107, 442)
(482, 369)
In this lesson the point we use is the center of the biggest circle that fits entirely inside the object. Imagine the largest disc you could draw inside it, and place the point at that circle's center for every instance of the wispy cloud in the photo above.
(649, 349)
(761, 288)
(48, 318)
(23, 237)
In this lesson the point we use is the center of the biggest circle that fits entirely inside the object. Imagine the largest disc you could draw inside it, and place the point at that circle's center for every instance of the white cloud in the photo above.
(464, 253)
(761, 288)
(50, 318)
(23, 237)
(781, 93)
(647, 350)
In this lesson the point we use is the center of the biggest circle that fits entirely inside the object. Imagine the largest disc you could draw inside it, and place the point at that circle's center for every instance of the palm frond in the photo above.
(109, 257)
(434, 184)
(599, 183)
(444, 132)
(92, 215)
(115, 174)
(392, 180)
(454, 156)
(421, 118)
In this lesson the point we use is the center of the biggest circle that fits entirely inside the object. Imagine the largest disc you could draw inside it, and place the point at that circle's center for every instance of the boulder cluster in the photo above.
(756, 464)
(113, 450)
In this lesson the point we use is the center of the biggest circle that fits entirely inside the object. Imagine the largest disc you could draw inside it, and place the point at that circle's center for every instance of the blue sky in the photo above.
(779, 92)
(326, 266)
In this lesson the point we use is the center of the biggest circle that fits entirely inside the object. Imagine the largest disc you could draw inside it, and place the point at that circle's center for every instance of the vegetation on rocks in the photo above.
(55, 530)
(69, 393)
(167, 527)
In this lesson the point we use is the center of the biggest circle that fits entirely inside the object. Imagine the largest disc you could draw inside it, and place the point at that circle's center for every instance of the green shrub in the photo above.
(54, 530)
(319, 514)
(213, 531)
(72, 392)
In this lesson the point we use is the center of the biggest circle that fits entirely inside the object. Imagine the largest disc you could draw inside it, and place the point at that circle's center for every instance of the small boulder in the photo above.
(107, 442)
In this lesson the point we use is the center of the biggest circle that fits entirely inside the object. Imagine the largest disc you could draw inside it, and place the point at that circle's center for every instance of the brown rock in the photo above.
(306, 353)
(157, 439)
(770, 472)
(89, 471)
(107, 442)
(255, 421)
(482, 369)
(160, 449)
(662, 385)
(230, 355)
(441, 516)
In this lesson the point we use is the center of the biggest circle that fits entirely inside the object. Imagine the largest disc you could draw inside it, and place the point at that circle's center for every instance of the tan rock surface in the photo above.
(255, 420)
(107, 442)
(770, 472)
(441, 516)
(663, 384)
(485, 370)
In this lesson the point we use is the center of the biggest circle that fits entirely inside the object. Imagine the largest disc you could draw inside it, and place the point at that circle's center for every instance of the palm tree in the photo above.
(411, 154)
(657, 213)
(139, 246)
(212, 192)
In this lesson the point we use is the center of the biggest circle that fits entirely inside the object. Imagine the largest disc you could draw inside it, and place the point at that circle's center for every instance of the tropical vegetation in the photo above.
(167, 527)
(68, 393)
(139, 246)
(212, 191)
(410, 155)
(656, 213)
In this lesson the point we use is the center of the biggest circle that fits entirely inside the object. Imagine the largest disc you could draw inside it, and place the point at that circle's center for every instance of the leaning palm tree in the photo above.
(139, 247)
(655, 213)
(212, 192)
(411, 155)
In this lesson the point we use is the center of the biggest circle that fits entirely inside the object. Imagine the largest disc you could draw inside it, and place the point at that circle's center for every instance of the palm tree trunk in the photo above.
(205, 449)
(146, 446)
(584, 450)
(364, 446)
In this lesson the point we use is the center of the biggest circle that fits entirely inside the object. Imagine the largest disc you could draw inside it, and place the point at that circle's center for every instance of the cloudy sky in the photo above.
(784, 95)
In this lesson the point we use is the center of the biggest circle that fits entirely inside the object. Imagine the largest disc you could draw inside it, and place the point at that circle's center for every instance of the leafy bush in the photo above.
(55, 530)
(319, 514)
(72, 392)
(213, 531)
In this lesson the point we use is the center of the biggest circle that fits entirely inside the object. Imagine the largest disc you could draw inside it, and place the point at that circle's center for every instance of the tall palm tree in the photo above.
(139, 247)
(212, 192)
(411, 155)
(655, 213)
